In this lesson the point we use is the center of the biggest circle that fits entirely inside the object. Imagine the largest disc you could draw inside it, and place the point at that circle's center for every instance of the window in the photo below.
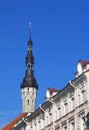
(66, 108)
(41, 116)
(83, 126)
(62, 110)
(79, 99)
(73, 103)
(72, 126)
(47, 120)
(29, 66)
(59, 112)
(65, 128)
(83, 96)
(28, 102)
(50, 118)
(70, 106)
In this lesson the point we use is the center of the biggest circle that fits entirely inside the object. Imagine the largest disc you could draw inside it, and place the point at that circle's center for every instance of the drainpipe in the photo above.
(27, 124)
(53, 112)
(42, 108)
(75, 104)
(45, 128)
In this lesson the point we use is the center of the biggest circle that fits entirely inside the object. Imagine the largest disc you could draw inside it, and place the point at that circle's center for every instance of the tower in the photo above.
(29, 86)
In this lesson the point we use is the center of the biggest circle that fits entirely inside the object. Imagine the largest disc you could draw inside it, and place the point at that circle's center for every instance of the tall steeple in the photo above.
(29, 86)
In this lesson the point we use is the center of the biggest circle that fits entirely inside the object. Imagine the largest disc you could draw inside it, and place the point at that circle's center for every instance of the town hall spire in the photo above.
(29, 85)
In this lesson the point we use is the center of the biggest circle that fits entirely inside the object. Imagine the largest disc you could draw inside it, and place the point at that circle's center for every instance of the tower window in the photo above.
(29, 66)
(28, 102)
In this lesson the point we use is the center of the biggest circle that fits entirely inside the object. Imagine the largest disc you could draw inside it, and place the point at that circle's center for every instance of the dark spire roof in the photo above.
(29, 79)
(30, 57)
(30, 41)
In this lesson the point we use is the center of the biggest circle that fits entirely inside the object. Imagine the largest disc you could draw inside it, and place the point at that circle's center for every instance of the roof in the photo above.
(52, 90)
(11, 124)
(84, 62)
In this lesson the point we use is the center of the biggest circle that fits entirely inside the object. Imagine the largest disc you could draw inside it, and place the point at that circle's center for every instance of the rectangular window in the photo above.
(70, 106)
(55, 115)
(79, 99)
(50, 118)
(59, 112)
(83, 96)
(66, 108)
(72, 126)
(47, 120)
(62, 111)
(73, 103)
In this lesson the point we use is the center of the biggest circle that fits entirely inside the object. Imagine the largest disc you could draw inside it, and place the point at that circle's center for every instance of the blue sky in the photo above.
(60, 34)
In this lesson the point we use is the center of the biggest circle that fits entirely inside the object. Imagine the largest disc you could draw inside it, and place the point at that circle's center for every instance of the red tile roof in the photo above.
(51, 90)
(84, 62)
(11, 124)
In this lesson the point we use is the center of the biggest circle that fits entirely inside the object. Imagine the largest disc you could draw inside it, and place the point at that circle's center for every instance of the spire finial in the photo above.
(30, 26)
